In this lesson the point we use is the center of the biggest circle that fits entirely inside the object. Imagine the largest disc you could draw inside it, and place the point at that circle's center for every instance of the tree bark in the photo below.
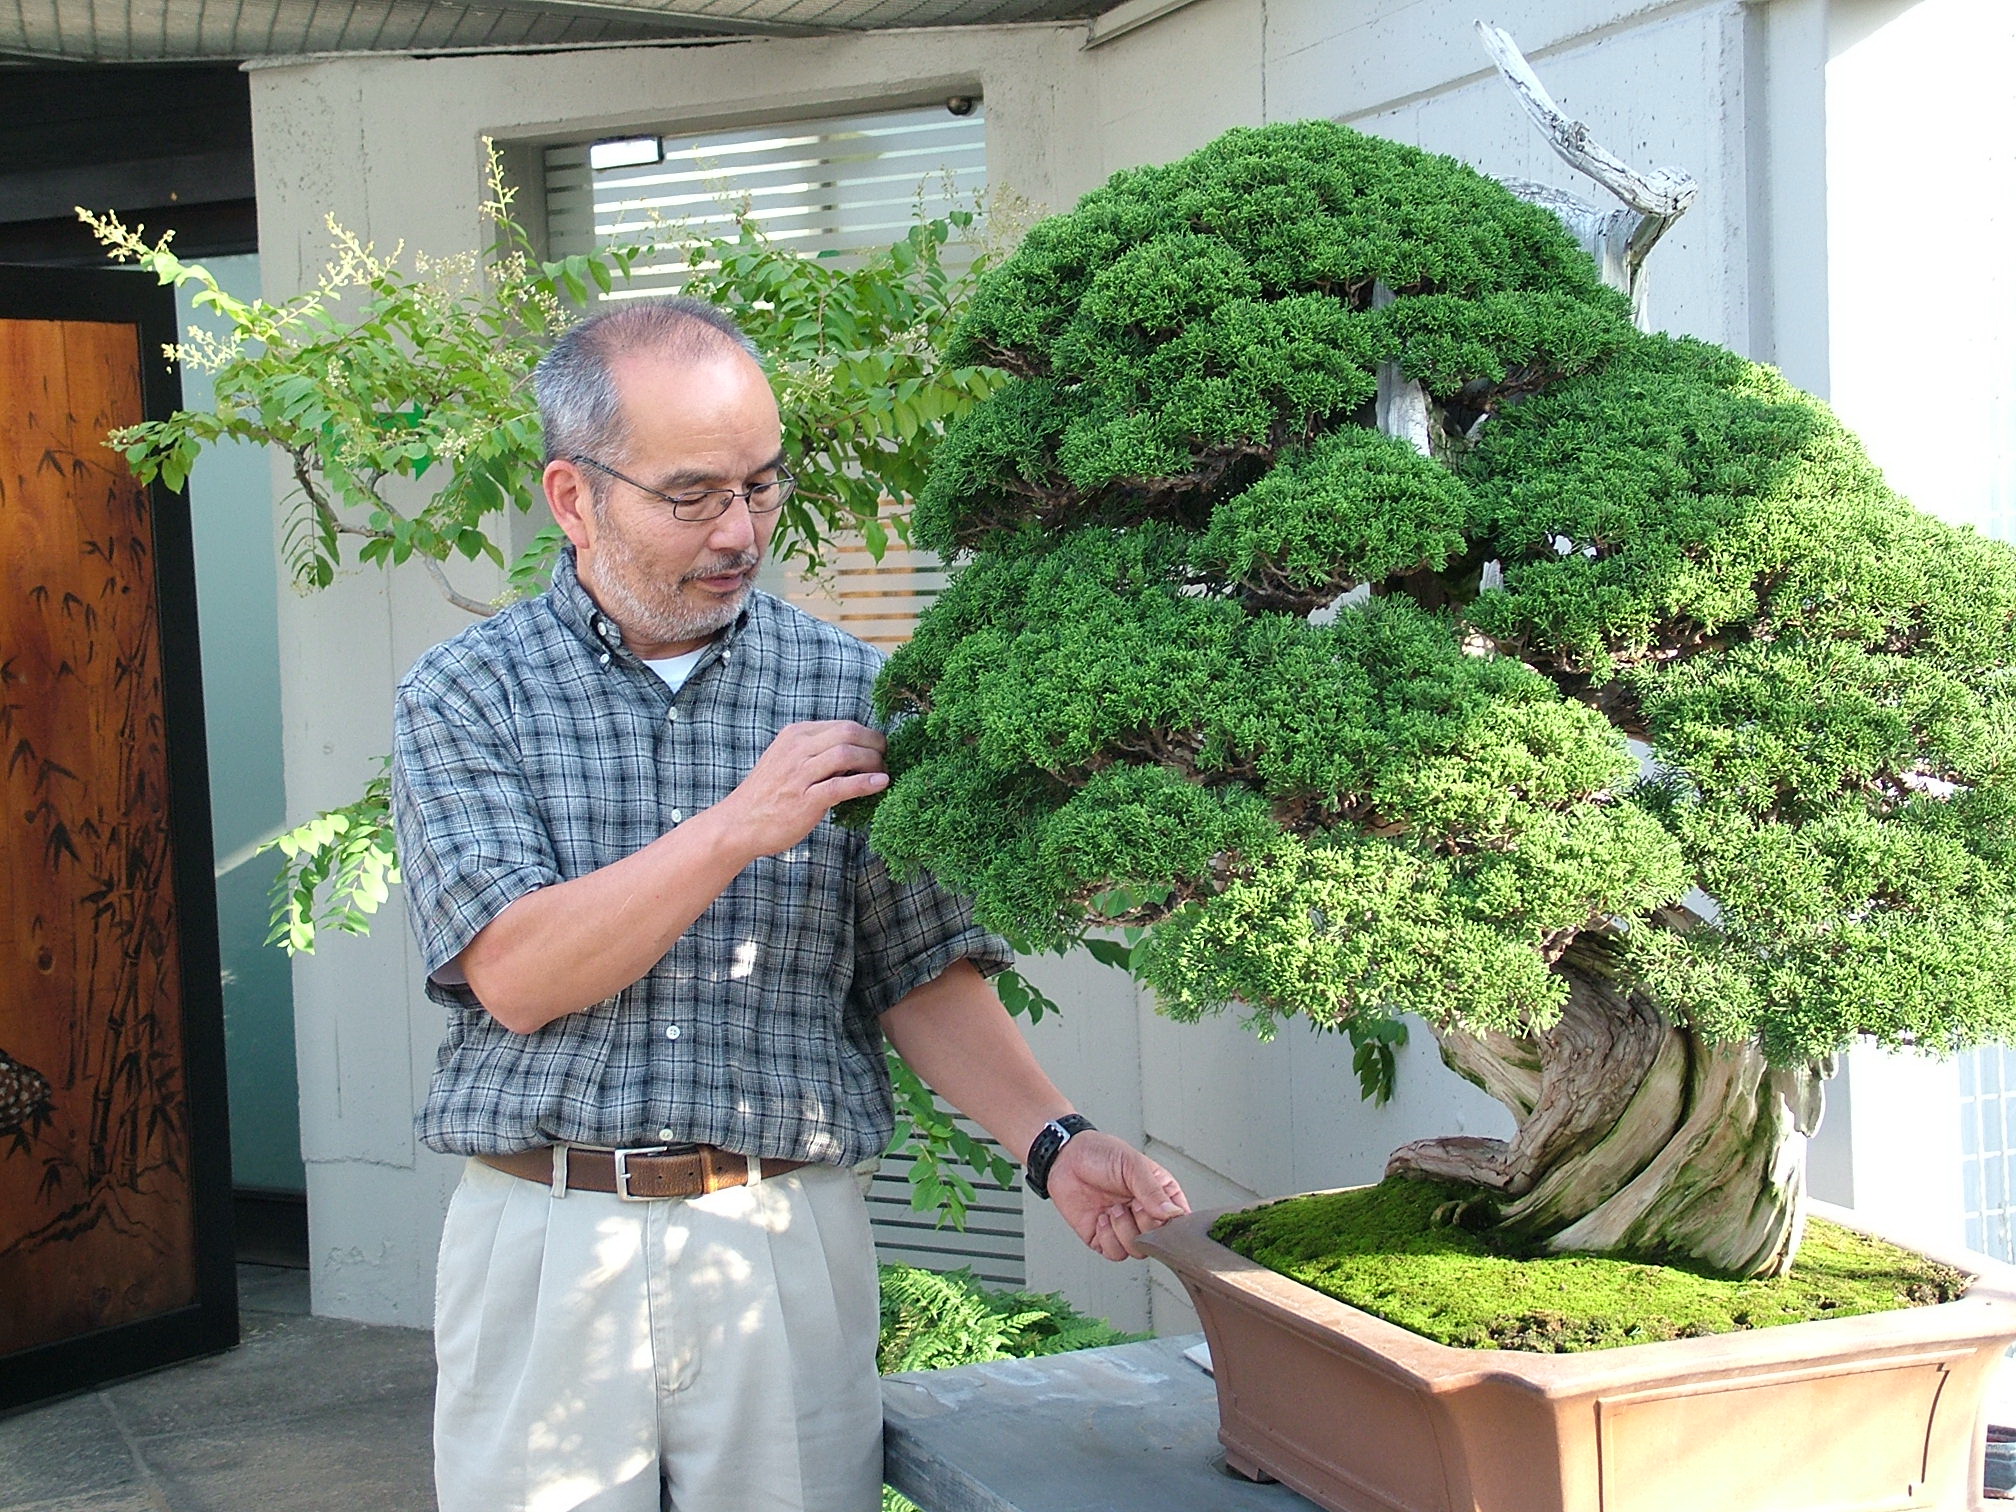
(1402, 408)
(1635, 1135)
(1619, 239)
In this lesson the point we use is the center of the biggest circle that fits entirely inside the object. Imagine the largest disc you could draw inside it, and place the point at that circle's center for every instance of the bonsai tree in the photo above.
(1356, 606)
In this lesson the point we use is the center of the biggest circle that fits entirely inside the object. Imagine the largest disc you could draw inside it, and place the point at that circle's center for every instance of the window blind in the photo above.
(832, 187)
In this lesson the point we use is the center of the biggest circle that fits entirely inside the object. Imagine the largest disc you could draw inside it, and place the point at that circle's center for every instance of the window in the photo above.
(831, 186)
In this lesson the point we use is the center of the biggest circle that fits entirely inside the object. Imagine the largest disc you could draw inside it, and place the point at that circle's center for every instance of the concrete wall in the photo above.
(1737, 93)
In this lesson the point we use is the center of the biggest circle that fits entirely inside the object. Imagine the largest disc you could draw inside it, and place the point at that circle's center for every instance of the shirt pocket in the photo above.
(790, 916)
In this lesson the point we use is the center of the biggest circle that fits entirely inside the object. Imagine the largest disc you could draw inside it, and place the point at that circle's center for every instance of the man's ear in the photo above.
(568, 497)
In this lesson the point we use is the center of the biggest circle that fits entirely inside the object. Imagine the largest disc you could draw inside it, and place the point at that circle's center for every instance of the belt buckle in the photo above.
(622, 1164)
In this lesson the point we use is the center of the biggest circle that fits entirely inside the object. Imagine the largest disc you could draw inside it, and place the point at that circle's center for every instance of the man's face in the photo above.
(694, 423)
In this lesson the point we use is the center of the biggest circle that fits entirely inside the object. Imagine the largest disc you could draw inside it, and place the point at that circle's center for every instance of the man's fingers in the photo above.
(838, 756)
(825, 732)
(1120, 1222)
(1168, 1200)
(847, 785)
(1155, 1193)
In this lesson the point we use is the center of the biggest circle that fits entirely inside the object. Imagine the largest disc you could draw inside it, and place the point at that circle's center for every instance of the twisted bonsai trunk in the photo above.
(1635, 1134)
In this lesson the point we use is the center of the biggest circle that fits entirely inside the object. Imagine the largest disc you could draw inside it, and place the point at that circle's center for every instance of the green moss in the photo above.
(1382, 1250)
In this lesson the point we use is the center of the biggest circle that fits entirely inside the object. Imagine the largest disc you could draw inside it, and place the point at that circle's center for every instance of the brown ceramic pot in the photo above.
(1863, 1414)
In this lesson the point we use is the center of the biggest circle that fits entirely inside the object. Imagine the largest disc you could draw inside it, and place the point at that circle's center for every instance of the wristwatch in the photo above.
(1045, 1148)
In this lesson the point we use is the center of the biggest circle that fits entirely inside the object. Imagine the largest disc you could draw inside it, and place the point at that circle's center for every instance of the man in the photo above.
(669, 975)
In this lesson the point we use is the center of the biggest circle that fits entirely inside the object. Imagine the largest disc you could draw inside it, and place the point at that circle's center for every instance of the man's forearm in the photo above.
(570, 945)
(955, 1034)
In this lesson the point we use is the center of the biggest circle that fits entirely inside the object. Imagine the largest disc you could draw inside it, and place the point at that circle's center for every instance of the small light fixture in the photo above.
(626, 152)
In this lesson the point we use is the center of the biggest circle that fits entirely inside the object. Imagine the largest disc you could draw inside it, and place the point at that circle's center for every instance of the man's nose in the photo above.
(734, 529)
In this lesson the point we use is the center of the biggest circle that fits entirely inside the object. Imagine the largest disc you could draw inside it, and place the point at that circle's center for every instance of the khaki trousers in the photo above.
(715, 1354)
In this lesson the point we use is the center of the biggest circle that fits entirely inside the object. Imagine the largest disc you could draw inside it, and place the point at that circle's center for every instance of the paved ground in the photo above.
(309, 1415)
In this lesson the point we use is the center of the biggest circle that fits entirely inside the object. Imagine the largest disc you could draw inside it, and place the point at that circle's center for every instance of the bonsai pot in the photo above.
(1870, 1413)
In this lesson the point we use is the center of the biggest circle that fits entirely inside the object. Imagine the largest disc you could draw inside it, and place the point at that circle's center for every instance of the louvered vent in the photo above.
(991, 1244)
(877, 601)
(834, 187)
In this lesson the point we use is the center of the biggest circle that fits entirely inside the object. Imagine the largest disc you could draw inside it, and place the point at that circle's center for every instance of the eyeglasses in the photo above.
(707, 503)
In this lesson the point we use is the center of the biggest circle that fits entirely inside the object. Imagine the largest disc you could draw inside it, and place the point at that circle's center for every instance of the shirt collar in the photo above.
(577, 608)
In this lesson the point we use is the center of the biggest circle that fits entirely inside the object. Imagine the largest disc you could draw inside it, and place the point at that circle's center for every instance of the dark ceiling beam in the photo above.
(73, 117)
(195, 178)
(201, 232)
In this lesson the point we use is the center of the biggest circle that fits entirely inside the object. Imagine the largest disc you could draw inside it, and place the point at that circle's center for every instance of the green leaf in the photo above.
(1108, 952)
(338, 870)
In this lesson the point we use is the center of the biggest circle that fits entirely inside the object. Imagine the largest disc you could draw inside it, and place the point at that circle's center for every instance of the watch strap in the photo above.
(1046, 1147)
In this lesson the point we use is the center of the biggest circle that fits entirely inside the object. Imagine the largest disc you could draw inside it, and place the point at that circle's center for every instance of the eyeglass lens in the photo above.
(760, 497)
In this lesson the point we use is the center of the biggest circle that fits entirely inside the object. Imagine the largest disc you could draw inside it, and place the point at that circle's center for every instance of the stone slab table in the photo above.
(1134, 1426)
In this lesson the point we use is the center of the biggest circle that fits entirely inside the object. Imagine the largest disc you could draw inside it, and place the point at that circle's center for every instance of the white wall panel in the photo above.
(1921, 191)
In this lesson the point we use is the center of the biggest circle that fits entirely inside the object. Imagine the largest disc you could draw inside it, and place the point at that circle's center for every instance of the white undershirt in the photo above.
(676, 669)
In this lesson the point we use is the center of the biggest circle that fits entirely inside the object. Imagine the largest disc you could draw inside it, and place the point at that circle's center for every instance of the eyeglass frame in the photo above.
(786, 482)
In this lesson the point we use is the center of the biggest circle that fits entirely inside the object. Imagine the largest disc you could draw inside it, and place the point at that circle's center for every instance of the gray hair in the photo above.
(580, 411)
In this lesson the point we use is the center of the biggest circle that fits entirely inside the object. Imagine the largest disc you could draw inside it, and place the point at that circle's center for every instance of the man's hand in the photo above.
(806, 771)
(1111, 1194)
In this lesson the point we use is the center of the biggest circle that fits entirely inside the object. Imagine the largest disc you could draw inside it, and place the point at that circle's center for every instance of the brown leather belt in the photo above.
(645, 1174)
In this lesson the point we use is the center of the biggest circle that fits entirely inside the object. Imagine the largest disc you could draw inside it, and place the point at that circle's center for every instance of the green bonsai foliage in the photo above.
(1141, 703)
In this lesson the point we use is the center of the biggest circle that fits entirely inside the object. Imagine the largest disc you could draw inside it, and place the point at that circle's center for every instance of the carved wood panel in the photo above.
(98, 1181)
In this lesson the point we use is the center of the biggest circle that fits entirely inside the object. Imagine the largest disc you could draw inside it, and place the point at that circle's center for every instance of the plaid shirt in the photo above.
(533, 748)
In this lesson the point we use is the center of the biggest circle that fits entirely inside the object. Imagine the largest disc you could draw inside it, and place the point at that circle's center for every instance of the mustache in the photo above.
(740, 561)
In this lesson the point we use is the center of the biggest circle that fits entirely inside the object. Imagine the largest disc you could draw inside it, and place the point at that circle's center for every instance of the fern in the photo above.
(933, 1320)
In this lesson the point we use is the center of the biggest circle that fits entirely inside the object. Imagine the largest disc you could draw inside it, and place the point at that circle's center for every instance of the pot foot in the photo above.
(1237, 1464)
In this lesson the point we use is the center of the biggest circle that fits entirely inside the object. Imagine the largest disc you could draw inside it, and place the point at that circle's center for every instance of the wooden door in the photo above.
(115, 1246)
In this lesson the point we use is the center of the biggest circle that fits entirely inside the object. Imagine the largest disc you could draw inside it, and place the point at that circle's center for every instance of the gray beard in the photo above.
(653, 612)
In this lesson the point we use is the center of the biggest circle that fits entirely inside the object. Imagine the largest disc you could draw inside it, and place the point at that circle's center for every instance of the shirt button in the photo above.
(666, 1134)
(671, 1031)
(604, 658)
(671, 715)
(678, 816)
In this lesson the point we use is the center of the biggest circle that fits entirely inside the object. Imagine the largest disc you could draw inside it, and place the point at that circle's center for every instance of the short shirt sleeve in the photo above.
(471, 839)
(907, 933)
